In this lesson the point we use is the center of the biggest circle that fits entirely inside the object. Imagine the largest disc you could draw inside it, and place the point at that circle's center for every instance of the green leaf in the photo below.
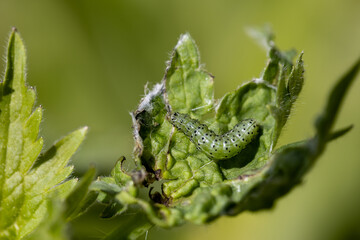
(54, 227)
(189, 88)
(121, 178)
(289, 163)
(288, 90)
(278, 60)
(170, 155)
(326, 120)
(133, 228)
(80, 199)
(195, 188)
(339, 133)
(116, 191)
(27, 181)
(167, 154)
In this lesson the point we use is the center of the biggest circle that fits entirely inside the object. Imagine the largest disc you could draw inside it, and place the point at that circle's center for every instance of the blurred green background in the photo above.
(90, 60)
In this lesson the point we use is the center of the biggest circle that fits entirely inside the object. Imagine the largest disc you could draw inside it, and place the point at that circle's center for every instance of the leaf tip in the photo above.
(79, 134)
(184, 38)
(92, 170)
(39, 108)
(15, 33)
(264, 35)
(301, 55)
(83, 130)
(15, 46)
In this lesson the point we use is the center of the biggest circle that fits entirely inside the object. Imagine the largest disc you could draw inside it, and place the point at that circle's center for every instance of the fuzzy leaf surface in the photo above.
(188, 173)
(194, 188)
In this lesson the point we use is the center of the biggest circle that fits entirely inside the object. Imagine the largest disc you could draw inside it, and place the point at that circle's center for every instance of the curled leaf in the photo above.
(195, 187)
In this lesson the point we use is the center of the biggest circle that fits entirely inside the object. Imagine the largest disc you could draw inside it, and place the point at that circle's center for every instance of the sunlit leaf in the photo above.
(28, 181)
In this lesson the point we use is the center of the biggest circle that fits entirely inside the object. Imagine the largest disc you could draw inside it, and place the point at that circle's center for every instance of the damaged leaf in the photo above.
(185, 184)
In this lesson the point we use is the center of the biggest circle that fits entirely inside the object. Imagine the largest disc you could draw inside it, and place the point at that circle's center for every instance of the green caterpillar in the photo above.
(216, 146)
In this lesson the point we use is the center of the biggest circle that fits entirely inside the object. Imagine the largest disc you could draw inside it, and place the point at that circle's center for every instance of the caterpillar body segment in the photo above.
(216, 146)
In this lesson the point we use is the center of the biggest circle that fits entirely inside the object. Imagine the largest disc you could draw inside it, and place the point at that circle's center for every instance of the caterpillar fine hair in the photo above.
(216, 146)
